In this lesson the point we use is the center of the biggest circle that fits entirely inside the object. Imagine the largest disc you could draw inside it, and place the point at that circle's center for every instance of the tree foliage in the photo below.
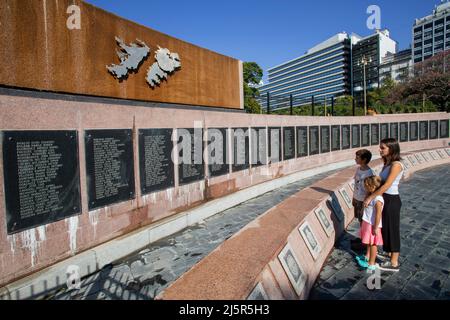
(252, 74)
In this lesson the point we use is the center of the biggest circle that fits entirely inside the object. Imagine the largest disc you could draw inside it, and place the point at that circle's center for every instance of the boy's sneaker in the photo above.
(387, 266)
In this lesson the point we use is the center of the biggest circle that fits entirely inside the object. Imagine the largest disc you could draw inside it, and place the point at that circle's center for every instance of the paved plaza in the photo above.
(425, 256)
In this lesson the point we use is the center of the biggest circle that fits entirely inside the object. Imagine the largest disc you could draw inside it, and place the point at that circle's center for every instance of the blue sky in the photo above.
(268, 32)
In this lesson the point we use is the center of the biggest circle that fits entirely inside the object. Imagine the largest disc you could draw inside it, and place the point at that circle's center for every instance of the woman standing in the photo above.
(390, 175)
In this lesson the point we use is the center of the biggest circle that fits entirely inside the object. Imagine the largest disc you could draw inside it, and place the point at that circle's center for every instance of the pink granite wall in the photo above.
(37, 248)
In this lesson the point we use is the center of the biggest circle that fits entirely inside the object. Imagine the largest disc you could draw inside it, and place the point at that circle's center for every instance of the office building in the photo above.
(431, 34)
(367, 55)
(323, 71)
(397, 66)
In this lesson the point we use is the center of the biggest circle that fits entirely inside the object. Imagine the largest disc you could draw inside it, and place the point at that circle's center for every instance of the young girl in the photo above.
(371, 225)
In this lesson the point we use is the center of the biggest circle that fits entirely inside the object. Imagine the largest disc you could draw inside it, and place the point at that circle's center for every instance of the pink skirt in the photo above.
(367, 237)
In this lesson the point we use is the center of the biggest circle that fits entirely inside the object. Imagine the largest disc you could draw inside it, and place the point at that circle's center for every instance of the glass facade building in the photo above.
(323, 72)
(431, 34)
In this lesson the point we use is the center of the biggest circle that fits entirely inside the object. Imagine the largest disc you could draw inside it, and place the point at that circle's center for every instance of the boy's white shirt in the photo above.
(359, 192)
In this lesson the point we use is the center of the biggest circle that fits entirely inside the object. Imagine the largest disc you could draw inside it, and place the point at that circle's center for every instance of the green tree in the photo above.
(252, 74)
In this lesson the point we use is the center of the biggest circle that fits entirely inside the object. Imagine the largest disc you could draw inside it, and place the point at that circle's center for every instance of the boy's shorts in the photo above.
(358, 208)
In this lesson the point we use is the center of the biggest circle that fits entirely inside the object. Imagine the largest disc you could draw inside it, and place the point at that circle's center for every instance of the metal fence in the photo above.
(289, 104)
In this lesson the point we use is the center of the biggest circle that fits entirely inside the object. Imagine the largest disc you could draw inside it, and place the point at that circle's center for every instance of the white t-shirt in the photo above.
(360, 193)
(370, 212)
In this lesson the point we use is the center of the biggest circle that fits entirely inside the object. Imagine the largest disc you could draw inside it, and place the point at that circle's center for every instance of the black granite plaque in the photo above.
(302, 141)
(443, 129)
(404, 132)
(240, 144)
(259, 146)
(365, 135)
(190, 151)
(335, 138)
(434, 129)
(324, 139)
(393, 130)
(109, 166)
(155, 159)
(413, 131)
(374, 134)
(274, 144)
(217, 152)
(42, 177)
(288, 143)
(356, 135)
(423, 130)
(384, 131)
(345, 137)
(313, 140)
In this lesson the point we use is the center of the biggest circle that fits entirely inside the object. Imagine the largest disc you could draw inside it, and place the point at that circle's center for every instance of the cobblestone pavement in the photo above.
(144, 274)
(425, 249)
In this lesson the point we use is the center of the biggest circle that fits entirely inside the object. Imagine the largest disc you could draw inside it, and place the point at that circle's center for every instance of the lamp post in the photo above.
(364, 62)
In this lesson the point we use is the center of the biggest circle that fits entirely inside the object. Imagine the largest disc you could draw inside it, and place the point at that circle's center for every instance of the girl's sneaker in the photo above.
(362, 258)
(373, 267)
(363, 263)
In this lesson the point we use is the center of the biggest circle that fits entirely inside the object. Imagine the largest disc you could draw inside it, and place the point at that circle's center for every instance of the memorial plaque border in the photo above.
(406, 126)
(348, 127)
(411, 137)
(70, 175)
(310, 129)
(358, 128)
(372, 142)
(328, 147)
(365, 125)
(226, 169)
(297, 129)
(426, 130)
(294, 142)
(200, 167)
(126, 135)
(280, 147)
(436, 136)
(171, 174)
(442, 135)
(332, 137)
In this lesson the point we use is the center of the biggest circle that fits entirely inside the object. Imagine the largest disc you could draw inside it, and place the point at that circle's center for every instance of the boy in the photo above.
(362, 159)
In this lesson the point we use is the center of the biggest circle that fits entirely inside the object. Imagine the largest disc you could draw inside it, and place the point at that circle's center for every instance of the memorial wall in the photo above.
(77, 174)
(78, 170)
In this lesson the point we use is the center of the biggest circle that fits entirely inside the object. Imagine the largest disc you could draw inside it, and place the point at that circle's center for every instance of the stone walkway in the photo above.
(144, 274)
(425, 249)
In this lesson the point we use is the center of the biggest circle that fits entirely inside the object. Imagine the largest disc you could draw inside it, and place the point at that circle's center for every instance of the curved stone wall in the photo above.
(39, 247)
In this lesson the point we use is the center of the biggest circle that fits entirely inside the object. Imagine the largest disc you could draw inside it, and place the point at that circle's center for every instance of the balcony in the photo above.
(439, 34)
